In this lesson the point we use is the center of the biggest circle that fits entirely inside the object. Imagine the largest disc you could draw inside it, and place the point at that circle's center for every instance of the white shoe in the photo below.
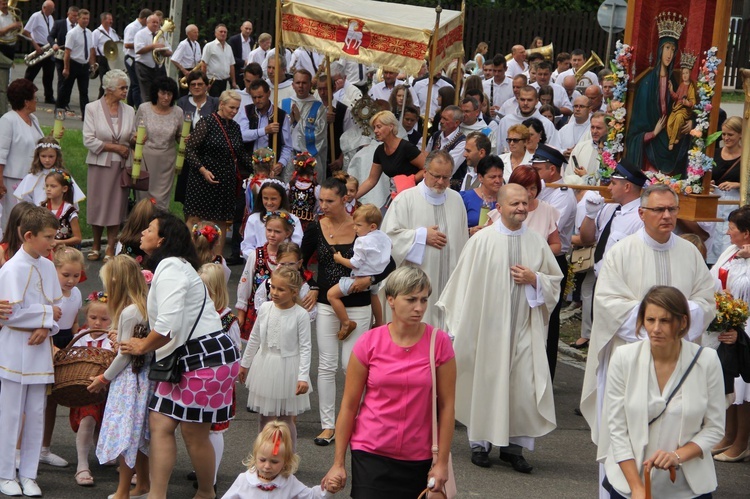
(30, 488)
(53, 460)
(10, 488)
(572, 306)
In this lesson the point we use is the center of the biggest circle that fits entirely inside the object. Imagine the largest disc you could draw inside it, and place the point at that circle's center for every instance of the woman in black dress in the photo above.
(726, 179)
(394, 156)
(216, 154)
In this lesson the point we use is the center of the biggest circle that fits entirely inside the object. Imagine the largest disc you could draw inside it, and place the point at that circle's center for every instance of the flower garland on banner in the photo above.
(699, 163)
(620, 66)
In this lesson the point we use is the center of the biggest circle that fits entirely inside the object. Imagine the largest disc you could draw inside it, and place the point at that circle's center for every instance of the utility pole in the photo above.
(175, 12)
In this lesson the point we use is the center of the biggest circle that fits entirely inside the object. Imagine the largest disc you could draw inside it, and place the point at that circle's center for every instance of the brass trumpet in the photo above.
(15, 13)
(164, 35)
(183, 81)
(548, 51)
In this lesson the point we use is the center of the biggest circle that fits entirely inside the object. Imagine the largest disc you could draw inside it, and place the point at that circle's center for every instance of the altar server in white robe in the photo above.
(497, 304)
(652, 256)
(428, 226)
(31, 286)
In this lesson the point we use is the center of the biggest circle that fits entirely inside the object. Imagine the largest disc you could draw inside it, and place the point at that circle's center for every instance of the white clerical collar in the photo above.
(431, 197)
(654, 245)
(502, 229)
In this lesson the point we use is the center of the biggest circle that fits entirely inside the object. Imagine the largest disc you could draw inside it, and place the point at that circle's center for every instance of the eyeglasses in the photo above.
(197, 84)
(660, 210)
(513, 141)
(439, 177)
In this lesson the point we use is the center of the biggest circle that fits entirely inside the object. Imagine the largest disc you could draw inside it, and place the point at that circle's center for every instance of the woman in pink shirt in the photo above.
(390, 430)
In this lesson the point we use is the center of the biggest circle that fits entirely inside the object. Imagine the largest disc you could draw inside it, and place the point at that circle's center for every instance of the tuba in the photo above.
(592, 62)
(110, 50)
(164, 35)
(15, 13)
(548, 52)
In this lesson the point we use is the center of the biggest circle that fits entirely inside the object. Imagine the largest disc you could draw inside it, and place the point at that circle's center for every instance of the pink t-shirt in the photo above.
(395, 418)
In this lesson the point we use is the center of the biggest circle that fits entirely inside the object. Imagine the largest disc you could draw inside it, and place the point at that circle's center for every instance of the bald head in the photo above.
(519, 53)
(581, 109)
(569, 84)
(594, 93)
(48, 7)
(513, 204)
(509, 189)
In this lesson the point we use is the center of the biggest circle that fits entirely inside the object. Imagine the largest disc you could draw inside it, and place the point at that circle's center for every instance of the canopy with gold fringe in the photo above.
(373, 33)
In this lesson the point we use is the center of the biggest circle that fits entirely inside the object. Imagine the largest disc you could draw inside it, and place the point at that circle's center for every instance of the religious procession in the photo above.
(343, 203)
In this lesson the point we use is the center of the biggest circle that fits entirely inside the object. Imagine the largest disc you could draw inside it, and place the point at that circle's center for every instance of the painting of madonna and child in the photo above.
(669, 39)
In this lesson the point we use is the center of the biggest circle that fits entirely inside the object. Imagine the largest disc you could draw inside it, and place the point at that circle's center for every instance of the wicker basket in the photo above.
(74, 368)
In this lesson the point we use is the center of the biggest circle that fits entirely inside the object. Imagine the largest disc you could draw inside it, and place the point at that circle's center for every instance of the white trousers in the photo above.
(15, 401)
(326, 329)
(587, 302)
(9, 200)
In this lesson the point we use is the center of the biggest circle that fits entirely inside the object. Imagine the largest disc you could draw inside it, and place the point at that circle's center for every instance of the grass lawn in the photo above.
(732, 96)
(74, 155)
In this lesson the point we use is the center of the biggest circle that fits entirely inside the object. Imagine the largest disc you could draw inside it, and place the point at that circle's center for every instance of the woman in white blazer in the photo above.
(655, 421)
(108, 126)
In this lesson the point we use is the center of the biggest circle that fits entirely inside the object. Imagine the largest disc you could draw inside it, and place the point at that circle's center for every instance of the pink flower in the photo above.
(708, 108)
(148, 276)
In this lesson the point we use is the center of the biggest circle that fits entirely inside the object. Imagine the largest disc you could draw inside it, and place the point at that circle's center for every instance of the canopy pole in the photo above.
(430, 69)
(745, 161)
(458, 81)
(279, 47)
(331, 135)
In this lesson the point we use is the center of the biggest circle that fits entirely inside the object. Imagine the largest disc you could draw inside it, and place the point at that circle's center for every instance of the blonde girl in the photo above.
(58, 185)
(271, 467)
(352, 186)
(276, 362)
(47, 157)
(280, 226)
(212, 275)
(69, 265)
(125, 423)
(206, 235)
(86, 420)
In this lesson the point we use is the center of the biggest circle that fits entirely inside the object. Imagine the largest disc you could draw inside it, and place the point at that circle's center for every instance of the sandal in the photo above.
(107, 258)
(93, 255)
(84, 478)
(580, 346)
(346, 330)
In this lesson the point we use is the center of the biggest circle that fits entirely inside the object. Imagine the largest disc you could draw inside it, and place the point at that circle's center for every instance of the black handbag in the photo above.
(169, 369)
(735, 358)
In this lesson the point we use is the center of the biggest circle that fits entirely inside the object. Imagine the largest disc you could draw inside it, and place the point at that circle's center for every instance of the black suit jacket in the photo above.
(235, 41)
(59, 32)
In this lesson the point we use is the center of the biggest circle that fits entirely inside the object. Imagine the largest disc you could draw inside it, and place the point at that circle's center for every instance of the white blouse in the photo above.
(17, 143)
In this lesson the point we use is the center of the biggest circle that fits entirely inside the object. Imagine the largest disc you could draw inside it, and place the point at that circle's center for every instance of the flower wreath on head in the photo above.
(264, 155)
(210, 232)
(97, 296)
(286, 217)
(274, 181)
(48, 145)
(65, 175)
(304, 161)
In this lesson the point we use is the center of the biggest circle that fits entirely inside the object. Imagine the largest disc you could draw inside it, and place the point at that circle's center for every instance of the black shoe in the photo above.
(191, 476)
(480, 458)
(49, 101)
(577, 412)
(235, 260)
(518, 462)
(322, 442)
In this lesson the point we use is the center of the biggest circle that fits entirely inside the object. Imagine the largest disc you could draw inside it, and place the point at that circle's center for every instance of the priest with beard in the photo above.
(497, 304)
(653, 256)
(428, 227)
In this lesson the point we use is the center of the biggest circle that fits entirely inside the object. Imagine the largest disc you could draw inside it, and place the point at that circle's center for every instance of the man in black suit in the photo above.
(56, 39)
(242, 44)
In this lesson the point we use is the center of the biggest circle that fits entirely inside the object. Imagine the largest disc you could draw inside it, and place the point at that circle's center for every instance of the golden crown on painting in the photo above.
(687, 61)
(670, 24)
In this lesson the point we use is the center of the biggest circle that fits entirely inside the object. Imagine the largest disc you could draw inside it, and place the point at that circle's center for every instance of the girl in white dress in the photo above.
(276, 362)
(47, 157)
(271, 197)
(271, 467)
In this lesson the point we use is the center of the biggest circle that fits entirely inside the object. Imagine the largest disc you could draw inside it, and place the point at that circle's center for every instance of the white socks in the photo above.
(85, 441)
(217, 440)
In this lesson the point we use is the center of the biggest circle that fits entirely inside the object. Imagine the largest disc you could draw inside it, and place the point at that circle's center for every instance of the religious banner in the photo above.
(373, 33)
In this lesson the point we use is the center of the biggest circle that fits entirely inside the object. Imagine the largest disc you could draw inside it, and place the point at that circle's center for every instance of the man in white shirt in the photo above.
(218, 62)
(510, 105)
(188, 53)
(471, 122)
(608, 90)
(356, 74)
(527, 108)
(596, 98)
(517, 64)
(449, 138)
(499, 88)
(270, 54)
(420, 90)
(585, 157)
(488, 70)
(134, 92)
(259, 54)
(242, 44)
(572, 132)
(145, 66)
(38, 28)
(569, 84)
(309, 123)
(8, 24)
(286, 89)
(560, 97)
(101, 35)
(383, 89)
(80, 54)
(563, 64)
(303, 58)
(476, 147)
(577, 58)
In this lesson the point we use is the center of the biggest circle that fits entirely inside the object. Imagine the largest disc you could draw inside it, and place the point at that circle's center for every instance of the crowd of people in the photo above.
(452, 253)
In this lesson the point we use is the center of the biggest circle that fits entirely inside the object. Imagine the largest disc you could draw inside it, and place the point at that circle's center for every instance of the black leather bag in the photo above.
(735, 358)
(169, 369)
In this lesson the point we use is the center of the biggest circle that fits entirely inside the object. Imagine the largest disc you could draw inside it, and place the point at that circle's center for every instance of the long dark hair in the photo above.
(177, 242)
(258, 204)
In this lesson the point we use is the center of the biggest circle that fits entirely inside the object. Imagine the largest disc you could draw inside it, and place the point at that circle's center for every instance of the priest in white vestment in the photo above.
(650, 257)
(497, 304)
(309, 124)
(585, 158)
(428, 227)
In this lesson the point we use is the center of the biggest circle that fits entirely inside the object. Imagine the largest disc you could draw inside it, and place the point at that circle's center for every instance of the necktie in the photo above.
(72, 25)
(85, 46)
(602, 243)
(267, 486)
